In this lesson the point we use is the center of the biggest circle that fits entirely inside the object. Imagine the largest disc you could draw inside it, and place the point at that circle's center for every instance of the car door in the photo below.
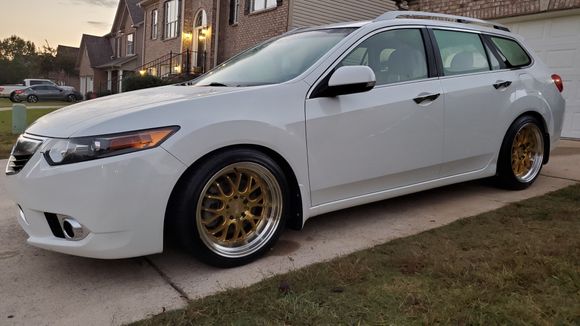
(54, 93)
(41, 92)
(389, 137)
(476, 90)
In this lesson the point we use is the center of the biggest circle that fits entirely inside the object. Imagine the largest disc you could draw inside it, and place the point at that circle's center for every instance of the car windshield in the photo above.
(276, 61)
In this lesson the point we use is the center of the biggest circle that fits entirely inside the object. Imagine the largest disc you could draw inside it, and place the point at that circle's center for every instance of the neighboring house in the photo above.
(94, 51)
(66, 57)
(195, 35)
(550, 27)
(104, 61)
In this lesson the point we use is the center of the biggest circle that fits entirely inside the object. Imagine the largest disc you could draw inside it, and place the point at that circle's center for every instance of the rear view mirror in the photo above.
(351, 80)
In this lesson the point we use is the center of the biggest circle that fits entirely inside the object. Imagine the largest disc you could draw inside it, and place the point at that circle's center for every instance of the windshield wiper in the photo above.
(216, 84)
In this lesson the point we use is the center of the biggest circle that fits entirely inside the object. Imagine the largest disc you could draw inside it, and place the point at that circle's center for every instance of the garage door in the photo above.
(557, 42)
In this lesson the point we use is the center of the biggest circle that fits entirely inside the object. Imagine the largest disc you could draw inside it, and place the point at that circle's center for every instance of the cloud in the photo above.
(100, 3)
(98, 24)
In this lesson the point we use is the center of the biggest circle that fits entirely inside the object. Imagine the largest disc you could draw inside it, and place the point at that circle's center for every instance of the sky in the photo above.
(60, 22)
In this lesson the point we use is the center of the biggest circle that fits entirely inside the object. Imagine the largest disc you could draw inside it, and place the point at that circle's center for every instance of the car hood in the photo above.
(71, 120)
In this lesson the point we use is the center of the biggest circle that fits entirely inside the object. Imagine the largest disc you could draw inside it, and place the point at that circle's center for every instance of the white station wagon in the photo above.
(314, 121)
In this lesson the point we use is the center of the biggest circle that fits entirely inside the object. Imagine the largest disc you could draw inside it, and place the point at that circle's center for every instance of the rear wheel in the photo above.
(522, 154)
(14, 98)
(71, 98)
(32, 99)
(232, 208)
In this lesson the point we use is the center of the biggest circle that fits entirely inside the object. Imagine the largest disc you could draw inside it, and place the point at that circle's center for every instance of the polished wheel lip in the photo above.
(527, 153)
(267, 225)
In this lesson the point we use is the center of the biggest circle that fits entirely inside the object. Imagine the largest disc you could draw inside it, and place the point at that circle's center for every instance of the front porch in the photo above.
(186, 64)
(116, 70)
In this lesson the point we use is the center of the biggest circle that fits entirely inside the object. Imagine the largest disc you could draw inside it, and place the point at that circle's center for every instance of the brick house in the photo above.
(103, 61)
(196, 35)
(550, 27)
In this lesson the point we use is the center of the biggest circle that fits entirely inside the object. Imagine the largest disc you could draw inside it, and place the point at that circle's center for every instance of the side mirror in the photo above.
(351, 80)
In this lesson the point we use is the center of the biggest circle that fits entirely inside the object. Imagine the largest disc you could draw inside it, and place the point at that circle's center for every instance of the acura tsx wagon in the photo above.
(316, 120)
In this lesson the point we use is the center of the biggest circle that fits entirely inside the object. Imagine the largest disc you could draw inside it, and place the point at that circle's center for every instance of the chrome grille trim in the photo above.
(22, 151)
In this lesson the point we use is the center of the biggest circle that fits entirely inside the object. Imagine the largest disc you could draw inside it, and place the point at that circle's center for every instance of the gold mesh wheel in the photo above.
(527, 153)
(239, 210)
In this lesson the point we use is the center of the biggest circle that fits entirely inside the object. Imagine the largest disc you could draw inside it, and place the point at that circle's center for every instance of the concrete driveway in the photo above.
(38, 287)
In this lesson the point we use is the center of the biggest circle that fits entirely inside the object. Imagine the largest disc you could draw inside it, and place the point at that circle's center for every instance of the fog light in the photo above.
(72, 229)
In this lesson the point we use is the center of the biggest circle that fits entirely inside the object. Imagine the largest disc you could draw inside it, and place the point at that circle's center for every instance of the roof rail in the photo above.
(428, 15)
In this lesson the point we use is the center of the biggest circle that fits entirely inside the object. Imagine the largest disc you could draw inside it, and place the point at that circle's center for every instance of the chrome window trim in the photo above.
(357, 43)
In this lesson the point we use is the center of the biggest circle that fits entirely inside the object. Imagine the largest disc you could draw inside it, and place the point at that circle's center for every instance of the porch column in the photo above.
(120, 81)
(109, 80)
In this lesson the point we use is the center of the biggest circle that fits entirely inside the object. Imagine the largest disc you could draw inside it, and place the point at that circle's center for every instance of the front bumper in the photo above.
(119, 200)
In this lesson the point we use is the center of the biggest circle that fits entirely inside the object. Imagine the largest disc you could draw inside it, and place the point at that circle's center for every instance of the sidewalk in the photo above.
(34, 107)
(42, 287)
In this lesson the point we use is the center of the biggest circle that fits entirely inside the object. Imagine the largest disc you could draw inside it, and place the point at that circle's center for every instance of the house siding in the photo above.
(486, 9)
(321, 12)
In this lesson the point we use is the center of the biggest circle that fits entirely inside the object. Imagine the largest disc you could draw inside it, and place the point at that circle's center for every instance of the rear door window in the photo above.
(461, 52)
(513, 54)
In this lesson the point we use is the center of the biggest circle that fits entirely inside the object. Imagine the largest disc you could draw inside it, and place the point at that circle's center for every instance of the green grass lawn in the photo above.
(5, 103)
(518, 265)
(7, 139)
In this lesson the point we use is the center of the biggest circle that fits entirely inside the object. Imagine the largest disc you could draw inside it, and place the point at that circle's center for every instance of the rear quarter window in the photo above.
(512, 52)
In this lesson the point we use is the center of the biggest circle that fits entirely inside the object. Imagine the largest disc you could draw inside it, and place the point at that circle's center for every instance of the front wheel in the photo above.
(32, 99)
(232, 208)
(71, 98)
(522, 154)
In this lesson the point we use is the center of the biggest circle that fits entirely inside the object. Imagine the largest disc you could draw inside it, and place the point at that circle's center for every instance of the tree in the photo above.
(14, 47)
(46, 60)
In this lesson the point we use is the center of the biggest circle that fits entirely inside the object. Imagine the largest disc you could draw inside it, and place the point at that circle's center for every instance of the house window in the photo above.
(154, 24)
(234, 11)
(257, 5)
(118, 47)
(171, 19)
(130, 44)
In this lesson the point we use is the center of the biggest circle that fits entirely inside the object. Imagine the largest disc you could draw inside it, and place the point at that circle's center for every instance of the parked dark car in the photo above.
(37, 93)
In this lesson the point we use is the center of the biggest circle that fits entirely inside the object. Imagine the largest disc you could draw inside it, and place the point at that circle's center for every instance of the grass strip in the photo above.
(518, 265)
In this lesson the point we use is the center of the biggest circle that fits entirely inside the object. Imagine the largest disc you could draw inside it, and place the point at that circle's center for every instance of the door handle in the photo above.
(500, 83)
(424, 97)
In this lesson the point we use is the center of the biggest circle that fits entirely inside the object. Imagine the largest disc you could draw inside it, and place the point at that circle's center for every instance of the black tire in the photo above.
(71, 98)
(32, 99)
(14, 99)
(507, 175)
(184, 213)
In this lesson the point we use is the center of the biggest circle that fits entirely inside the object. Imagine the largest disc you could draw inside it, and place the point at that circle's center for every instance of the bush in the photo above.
(90, 95)
(104, 93)
(136, 82)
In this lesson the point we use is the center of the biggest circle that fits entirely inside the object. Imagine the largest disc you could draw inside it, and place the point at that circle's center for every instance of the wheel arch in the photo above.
(296, 219)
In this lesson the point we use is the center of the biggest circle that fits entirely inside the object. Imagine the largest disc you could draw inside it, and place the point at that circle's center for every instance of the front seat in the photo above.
(405, 64)
(462, 62)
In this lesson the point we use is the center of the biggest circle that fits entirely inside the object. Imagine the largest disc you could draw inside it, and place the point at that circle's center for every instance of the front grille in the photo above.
(22, 152)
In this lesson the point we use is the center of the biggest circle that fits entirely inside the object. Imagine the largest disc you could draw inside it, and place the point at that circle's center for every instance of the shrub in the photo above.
(90, 95)
(136, 82)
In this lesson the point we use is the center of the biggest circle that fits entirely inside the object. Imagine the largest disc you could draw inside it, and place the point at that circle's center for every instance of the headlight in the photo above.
(73, 150)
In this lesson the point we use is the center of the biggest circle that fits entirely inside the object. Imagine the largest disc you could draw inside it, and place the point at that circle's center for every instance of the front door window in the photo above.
(200, 35)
